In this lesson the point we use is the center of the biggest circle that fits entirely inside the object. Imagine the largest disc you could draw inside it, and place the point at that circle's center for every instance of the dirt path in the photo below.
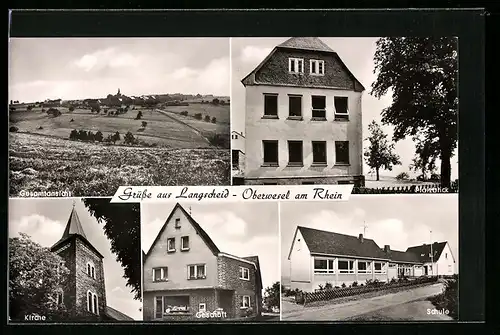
(351, 309)
(194, 129)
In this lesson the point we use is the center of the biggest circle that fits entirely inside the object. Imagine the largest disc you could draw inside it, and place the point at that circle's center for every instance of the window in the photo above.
(323, 265)
(196, 271)
(364, 267)
(379, 267)
(91, 269)
(171, 244)
(202, 307)
(234, 137)
(160, 274)
(171, 305)
(60, 298)
(245, 301)
(295, 153)
(345, 266)
(177, 224)
(92, 303)
(295, 106)
(185, 243)
(446, 255)
(295, 65)
(244, 273)
(270, 152)
(319, 152)
(318, 107)
(342, 152)
(317, 67)
(271, 105)
(392, 265)
(235, 157)
(341, 108)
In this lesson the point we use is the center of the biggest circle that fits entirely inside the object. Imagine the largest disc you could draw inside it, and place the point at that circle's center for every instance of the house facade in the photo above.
(186, 277)
(318, 257)
(303, 120)
(84, 292)
(237, 152)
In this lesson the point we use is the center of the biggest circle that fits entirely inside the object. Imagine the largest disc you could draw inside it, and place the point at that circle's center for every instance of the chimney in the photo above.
(387, 248)
(361, 238)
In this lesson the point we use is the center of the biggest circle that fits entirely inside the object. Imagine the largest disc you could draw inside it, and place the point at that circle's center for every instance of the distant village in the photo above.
(120, 100)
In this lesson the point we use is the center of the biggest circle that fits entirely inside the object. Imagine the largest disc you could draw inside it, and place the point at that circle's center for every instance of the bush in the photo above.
(13, 129)
(71, 108)
(320, 287)
(403, 176)
(71, 120)
(328, 286)
(98, 136)
(139, 115)
(448, 299)
(435, 177)
(343, 285)
(214, 120)
(354, 284)
(144, 124)
(198, 116)
(129, 138)
(73, 135)
(185, 113)
(40, 128)
(207, 118)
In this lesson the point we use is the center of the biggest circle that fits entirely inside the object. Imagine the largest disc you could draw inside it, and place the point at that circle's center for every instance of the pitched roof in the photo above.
(116, 315)
(74, 229)
(255, 259)
(402, 256)
(423, 251)
(306, 43)
(211, 245)
(329, 243)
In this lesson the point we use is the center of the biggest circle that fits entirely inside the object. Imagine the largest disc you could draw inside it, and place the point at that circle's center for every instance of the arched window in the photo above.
(92, 303)
(91, 269)
(60, 297)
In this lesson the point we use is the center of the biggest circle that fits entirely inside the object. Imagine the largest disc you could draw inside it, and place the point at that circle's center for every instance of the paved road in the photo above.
(391, 303)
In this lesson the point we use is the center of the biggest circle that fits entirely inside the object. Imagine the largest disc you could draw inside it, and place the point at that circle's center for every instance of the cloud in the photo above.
(109, 57)
(117, 289)
(254, 54)
(224, 224)
(42, 229)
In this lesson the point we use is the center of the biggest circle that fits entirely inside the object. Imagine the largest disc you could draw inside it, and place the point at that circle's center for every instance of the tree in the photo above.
(98, 136)
(272, 296)
(426, 152)
(139, 115)
(207, 118)
(214, 120)
(73, 135)
(122, 228)
(36, 275)
(144, 124)
(116, 137)
(380, 152)
(71, 108)
(129, 138)
(421, 73)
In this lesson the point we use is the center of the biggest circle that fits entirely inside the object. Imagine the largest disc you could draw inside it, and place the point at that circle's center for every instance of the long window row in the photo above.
(318, 103)
(316, 66)
(295, 153)
(327, 266)
(194, 271)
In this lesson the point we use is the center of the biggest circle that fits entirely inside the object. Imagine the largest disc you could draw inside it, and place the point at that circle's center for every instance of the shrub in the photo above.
(214, 120)
(403, 176)
(207, 118)
(129, 138)
(435, 177)
(73, 135)
(393, 280)
(198, 116)
(139, 115)
(144, 124)
(71, 120)
(354, 284)
(98, 136)
(71, 108)
(13, 129)
(343, 285)
(448, 299)
(328, 286)
(116, 137)
(185, 113)
(40, 128)
(320, 287)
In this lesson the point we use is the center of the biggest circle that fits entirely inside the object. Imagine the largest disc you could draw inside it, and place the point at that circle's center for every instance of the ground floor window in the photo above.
(202, 307)
(379, 267)
(92, 303)
(364, 267)
(171, 305)
(323, 265)
(245, 301)
(345, 266)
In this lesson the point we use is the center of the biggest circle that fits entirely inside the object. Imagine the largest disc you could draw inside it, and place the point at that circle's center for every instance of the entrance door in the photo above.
(426, 269)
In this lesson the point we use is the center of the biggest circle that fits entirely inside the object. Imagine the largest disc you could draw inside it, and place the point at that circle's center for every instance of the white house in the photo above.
(237, 152)
(303, 117)
(318, 257)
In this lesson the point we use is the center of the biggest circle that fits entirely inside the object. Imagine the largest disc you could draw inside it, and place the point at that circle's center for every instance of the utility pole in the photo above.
(364, 228)
(432, 255)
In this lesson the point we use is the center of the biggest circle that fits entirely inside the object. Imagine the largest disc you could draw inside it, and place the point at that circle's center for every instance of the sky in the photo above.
(399, 221)
(357, 54)
(234, 228)
(79, 68)
(45, 220)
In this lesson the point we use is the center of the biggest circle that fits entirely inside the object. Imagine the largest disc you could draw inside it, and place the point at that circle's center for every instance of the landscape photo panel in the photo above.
(88, 115)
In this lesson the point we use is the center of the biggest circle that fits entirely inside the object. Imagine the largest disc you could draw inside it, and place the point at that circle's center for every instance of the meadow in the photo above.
(46, 163)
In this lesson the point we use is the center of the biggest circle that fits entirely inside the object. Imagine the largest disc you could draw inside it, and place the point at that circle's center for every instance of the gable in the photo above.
(188, 227)
(298, 244)
(424, 251)
(273, 70)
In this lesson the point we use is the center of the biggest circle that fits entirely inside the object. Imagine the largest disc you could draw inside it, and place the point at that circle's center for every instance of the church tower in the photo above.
(84, 294)
(118, 94)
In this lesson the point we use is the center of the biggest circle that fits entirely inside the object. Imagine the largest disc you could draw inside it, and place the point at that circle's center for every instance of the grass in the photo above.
(220, 112)
(41, 163)
(448, 299)
(161, 130)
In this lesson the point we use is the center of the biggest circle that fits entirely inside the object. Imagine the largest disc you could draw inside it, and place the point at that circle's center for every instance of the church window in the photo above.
(92, 303)
(91, 269)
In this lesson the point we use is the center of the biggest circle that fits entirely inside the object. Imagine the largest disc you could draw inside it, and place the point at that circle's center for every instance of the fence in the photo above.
(427, 188)
(306, 297)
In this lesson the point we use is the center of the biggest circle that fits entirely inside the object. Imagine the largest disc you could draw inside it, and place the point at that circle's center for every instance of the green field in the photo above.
(43, 163)
(220, 112)
(175, 131)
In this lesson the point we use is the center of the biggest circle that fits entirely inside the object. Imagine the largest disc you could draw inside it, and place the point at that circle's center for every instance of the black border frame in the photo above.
(467, 25)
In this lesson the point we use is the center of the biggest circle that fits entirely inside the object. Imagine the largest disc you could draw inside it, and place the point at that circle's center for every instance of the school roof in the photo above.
(116, 315)
(423, 252)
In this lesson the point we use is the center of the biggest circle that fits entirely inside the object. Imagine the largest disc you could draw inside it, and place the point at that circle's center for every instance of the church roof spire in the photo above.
(73, 226)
